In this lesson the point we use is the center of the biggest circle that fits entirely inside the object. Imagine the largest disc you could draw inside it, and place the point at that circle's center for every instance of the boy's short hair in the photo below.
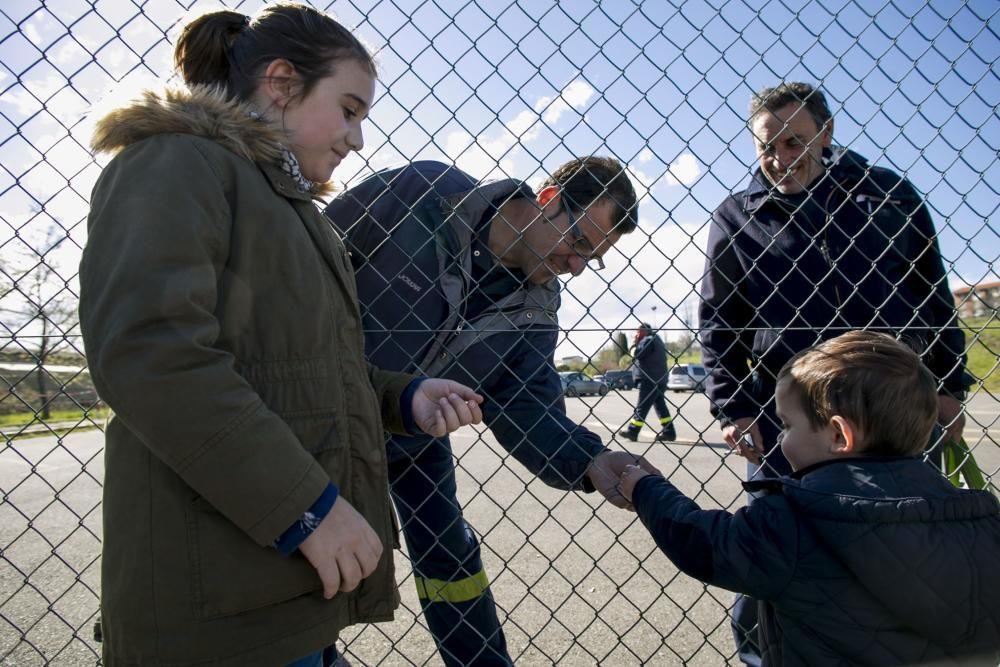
(874, 381)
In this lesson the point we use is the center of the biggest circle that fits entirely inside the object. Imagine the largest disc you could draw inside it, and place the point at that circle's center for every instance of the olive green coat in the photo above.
(221, 325)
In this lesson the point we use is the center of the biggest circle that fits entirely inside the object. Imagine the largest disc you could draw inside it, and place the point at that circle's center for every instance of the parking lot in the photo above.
(578, 582)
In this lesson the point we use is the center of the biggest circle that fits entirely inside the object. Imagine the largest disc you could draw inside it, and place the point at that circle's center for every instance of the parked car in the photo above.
(577, 384)
(686, 377)
(617, 379)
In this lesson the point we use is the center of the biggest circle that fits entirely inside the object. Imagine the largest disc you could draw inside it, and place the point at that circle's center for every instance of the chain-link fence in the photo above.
(512, 90)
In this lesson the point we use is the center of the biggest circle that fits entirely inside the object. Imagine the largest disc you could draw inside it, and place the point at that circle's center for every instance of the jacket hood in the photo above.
(916, 543)
(203, 111)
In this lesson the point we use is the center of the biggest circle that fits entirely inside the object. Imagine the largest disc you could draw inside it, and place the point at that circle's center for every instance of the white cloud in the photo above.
(67, 52)
(642, 181)
(23, 102)
(574, 96)
(492, 155)
(685, 170)
(31, 32)
(662, 268)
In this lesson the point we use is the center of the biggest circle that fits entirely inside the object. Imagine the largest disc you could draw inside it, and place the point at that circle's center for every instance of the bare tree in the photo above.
(37, 306)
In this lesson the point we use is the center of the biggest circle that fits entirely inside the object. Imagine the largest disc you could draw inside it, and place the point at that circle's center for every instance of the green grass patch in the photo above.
(982, 336)
(97, 415)
(688, 358)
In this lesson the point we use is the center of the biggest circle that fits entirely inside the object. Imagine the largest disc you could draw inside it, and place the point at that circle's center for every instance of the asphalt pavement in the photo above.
(578, 582)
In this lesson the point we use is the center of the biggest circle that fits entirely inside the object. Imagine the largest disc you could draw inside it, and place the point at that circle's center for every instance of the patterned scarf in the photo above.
(288, 162)
(290, 165)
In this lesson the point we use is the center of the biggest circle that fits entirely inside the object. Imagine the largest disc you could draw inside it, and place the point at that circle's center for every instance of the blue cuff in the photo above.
(406, 407)
(290, 540)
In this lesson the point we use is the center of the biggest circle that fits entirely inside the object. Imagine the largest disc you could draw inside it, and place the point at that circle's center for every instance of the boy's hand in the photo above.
(344, 549)
(605, 473)
(630, 477)
(442, 406)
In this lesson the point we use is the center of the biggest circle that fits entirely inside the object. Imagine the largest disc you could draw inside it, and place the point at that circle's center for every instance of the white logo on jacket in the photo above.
(409, 283)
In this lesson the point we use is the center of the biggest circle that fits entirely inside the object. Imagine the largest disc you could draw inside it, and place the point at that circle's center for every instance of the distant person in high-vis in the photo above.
(820, 242)
(650, 370)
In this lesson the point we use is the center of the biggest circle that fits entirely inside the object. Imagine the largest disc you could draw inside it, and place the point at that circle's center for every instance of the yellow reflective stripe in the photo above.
(666, 420)
(463, 590)
(637, 423)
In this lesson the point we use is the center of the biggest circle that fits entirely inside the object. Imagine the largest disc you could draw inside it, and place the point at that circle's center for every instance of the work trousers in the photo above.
(447, 568)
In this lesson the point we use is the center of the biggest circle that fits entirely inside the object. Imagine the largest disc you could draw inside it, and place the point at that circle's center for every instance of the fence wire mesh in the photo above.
(509, 90)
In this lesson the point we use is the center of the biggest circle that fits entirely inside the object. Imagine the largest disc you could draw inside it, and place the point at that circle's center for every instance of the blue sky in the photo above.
(516, 88)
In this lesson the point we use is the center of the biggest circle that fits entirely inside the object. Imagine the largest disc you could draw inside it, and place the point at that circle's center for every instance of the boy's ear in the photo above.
(845, 436)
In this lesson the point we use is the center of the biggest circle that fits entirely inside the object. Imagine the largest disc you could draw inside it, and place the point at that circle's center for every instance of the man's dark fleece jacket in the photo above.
(784, 272)
(855, 562)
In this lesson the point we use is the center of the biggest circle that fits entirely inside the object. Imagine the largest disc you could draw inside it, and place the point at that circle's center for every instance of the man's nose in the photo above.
(576, 264)
(786, 158)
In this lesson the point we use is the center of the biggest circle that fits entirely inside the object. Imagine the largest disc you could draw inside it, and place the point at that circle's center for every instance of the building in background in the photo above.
(980, 300)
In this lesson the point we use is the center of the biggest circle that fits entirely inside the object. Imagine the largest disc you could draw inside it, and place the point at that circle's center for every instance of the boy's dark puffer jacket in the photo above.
(856, 562)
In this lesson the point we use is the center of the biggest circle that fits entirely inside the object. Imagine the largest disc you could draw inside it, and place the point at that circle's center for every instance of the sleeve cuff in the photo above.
(637, 490)
(406, 407)
(290, 540)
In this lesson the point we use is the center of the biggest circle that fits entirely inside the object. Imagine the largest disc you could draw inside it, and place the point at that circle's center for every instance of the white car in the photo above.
(687, 377)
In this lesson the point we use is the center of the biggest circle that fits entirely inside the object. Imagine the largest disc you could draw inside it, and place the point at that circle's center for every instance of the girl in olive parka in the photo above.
(246, 501)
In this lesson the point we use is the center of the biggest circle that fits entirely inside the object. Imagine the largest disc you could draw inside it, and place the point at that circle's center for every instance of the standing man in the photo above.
(459, 277)
(820, 242)
(650, 362)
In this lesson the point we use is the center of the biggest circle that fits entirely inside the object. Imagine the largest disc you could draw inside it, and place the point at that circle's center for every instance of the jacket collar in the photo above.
(466, 209)
(471, 205)
(795, 478)
(203, 111)
(843, 166)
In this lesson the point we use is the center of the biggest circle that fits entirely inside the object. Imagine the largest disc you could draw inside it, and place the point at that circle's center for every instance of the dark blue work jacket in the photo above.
(783, 274)
(417, 237)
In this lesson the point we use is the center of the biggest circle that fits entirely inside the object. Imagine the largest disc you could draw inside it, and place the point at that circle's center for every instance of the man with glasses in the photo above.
(457, 279)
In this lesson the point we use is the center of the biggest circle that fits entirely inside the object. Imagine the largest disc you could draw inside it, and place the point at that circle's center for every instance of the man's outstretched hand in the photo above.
(605, 473)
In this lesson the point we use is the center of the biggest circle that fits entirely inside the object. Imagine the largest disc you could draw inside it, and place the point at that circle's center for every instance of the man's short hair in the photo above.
(792, 92)
(877, 383)
(587, 179)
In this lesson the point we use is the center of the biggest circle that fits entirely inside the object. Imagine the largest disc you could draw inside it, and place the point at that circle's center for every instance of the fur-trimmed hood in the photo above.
(204, 111)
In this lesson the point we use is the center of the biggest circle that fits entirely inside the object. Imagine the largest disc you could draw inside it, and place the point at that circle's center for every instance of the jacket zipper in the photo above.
(824, 247)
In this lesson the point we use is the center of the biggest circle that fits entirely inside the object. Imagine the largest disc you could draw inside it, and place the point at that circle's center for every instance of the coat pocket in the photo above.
(233, 574)
(315, 429)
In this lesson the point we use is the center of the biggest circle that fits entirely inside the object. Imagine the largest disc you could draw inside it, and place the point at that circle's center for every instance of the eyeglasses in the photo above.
(581, 246)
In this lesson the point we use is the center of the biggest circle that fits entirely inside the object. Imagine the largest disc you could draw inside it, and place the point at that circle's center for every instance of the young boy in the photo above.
(865, 555)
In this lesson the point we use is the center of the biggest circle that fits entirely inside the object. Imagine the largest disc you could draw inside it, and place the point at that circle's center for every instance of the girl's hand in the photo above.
(344, 549)
(442, 406)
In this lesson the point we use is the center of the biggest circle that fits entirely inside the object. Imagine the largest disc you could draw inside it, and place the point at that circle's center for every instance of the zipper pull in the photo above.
(825, 249)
